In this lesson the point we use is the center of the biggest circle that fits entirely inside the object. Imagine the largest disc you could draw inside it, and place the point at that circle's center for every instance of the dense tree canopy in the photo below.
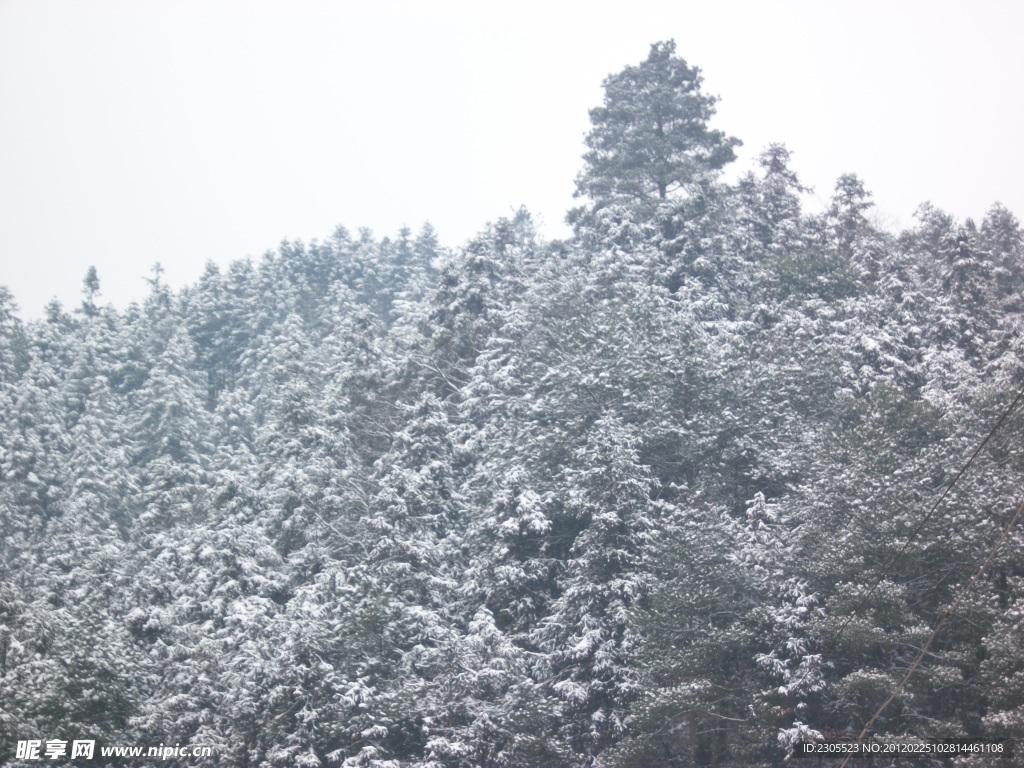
(628, 499)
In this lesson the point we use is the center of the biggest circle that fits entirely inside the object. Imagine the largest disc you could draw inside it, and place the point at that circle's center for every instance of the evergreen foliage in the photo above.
(651, 137)
(628, 499)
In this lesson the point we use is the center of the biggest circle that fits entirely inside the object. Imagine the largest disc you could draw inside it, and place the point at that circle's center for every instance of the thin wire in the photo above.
(945, 617)
(888, 568)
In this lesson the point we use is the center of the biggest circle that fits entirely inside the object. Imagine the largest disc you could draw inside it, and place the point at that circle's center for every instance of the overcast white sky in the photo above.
(133, 132)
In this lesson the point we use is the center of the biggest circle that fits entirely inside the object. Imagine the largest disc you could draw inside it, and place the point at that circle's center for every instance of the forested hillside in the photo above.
(617, 500)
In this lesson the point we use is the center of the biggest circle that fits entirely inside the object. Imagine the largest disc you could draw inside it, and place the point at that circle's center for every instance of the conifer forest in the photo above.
(686, 488)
